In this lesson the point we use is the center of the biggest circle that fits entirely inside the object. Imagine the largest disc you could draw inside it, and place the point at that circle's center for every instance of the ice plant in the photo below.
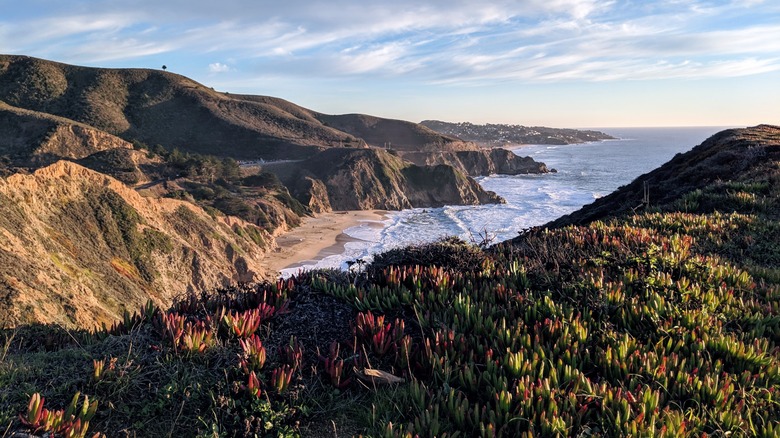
(196, 338)
(253, 386)
(372, 330)
(101, 371)
(70, 423)
(35, 412)
(292, 353)
(254, 355)
(335, 367)
(244, 324)
(172, 326)
(281, 378)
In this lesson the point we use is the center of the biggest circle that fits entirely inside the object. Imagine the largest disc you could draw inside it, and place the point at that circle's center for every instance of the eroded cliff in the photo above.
(77, 247)
(363, 179)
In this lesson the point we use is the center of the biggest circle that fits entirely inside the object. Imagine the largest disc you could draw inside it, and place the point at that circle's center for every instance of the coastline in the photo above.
(318, 237)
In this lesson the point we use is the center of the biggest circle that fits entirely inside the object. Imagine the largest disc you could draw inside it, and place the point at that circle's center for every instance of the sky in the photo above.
(561, 63)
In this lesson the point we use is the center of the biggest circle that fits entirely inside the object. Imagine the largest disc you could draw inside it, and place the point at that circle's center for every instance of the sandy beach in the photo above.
(318, 237)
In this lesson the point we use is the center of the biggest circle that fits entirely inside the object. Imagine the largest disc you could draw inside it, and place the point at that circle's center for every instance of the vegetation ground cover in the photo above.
(661, 323)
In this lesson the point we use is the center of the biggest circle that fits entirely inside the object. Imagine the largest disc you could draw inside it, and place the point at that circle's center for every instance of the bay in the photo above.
(585, 172)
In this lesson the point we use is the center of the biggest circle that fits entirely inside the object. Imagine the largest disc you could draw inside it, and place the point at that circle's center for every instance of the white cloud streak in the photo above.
(218, 67)
(445, 42)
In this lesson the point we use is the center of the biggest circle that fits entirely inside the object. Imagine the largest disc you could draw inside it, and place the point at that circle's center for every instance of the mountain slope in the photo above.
(31, 138)
(158, 107)
(77, 247)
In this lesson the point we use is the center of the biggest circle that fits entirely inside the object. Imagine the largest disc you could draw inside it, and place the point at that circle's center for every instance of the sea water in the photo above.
(585, 172)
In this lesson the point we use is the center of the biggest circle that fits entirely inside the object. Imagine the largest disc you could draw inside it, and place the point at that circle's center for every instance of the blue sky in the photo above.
(564, 63)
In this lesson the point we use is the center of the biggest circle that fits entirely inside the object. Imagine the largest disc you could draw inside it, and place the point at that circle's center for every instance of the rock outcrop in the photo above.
(480, 162)
(77, 247)
(364, 179)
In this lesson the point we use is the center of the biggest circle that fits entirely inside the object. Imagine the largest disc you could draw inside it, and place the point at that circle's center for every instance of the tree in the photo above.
(164, 67)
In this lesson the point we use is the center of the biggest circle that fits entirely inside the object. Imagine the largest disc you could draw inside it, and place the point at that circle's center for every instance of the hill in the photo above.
(731, 155)
(663, 321)
(157, 107)
(497, 135)
(31, 138)
(78, 247)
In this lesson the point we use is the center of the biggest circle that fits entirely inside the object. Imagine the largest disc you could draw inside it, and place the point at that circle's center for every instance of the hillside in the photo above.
(31, 138)
(157, 107)
(731, 155)
(660, 322)
(399, 135)
(497, 135)
(78, 247)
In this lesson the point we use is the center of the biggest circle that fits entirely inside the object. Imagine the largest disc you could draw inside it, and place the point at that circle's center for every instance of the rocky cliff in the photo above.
(362, 179)
(480, 162)
(77, 247)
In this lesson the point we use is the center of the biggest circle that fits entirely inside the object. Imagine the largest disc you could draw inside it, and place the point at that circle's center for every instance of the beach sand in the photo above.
(317, 238)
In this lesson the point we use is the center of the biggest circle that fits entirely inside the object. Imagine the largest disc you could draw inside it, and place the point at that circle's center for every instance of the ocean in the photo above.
(585, 172)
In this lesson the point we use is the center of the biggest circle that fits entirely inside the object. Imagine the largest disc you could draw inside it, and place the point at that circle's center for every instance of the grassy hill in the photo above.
(33, 139)
(399, 135)
(157, 107)
(663, 321)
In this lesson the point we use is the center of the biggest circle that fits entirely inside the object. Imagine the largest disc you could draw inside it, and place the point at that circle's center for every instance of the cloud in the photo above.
(440, 42)
(218, 67)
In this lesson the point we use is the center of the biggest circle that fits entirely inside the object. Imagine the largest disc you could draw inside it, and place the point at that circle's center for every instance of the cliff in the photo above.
(480, 162)
(376, 179)
(77, 247)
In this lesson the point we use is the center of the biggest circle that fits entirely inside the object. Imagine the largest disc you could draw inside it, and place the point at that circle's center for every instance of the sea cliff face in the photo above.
(364, 179)
(480, 162)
